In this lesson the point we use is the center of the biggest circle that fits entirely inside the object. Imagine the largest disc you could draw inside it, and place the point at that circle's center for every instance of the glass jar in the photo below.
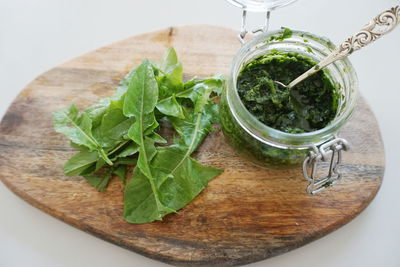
(268, 147)
(260, 5)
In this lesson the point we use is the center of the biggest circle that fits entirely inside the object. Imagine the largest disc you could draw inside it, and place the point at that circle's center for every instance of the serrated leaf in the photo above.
(78, 128)
(177, 177)
(140, 102)
(165, 178)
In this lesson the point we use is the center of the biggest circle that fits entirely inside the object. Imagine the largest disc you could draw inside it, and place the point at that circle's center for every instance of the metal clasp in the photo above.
(330, 151)
(243, 29)
(265, 6)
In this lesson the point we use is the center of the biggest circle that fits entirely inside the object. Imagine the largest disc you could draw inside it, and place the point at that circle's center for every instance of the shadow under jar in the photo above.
(270, 148)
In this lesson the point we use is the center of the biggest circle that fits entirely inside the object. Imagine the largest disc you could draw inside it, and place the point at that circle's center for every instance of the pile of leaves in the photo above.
(123, 130)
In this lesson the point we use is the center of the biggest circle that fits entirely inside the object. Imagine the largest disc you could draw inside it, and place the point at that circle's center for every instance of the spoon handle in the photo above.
(382, 24)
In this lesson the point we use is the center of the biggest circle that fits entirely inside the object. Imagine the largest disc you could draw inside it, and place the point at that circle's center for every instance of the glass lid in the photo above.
(260, 5)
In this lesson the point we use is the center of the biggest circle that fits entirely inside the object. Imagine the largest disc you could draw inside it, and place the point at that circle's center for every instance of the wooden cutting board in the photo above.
(246, 214)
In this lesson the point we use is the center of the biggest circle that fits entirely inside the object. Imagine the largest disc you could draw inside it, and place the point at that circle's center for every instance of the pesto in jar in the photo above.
(307, 107)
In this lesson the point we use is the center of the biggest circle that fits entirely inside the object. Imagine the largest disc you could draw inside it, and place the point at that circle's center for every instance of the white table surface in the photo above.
(36, 35)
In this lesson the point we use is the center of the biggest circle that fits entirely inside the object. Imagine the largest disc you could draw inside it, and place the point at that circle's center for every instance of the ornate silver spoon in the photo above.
(377, 27)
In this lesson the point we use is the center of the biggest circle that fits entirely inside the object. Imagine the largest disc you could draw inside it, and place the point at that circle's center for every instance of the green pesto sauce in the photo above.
(284, 34)
(307, 107)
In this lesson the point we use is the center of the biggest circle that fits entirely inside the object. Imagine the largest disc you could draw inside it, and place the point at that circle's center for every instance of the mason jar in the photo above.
(268, 147)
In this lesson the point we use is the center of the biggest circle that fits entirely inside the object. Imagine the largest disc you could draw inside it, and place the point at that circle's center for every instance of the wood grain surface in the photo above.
(246, 214)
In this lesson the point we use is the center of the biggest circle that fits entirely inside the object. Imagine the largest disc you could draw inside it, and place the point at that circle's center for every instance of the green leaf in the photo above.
(125, 161)
(177, 177)
(169, 60)
(79, 147)
(184, 179)
(87, 162)
(171, 74)
(195, 127)
(80, 162)
(147, 151)
(101, 179)
(129, 150)
(100, 182)
(169, 106)
(117, 104)
(158, 138)
(165, 178)
(100, 163)
(97, 111)
(199, 92)
(127, 79)
(140, 101)
(152, 124)
(78, 128)
(121, 172)
(114, 127)
(142, 94)
(173, 79)
(141, 203)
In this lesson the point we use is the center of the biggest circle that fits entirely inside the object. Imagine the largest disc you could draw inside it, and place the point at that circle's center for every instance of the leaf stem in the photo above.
(104, 156)
(117, 147)
(191, 146)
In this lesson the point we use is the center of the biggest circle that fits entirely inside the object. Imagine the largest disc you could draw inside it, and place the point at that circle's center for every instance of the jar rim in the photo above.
(272, 136)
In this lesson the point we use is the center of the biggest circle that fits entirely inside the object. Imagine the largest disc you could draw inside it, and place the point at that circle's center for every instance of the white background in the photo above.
(37, 35)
